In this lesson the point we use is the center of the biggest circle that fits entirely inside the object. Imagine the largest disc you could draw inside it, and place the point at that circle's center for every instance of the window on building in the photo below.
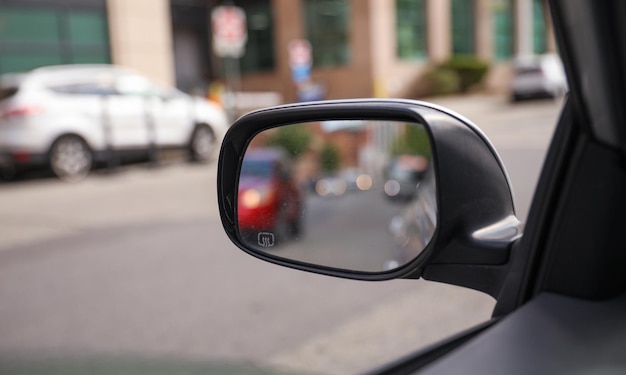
(503, 31)
(539, 28)
(259, 56)
(411, 29)
(31, 37)
(327, 28)
(88, 36)
(463, 27)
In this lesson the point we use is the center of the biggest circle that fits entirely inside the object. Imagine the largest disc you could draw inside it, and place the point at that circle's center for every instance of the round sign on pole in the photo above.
(228, 24)
(300, 54)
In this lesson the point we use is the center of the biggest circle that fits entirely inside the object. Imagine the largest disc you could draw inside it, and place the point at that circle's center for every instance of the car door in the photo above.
(77, 107)
(171, 113)
(127, 113)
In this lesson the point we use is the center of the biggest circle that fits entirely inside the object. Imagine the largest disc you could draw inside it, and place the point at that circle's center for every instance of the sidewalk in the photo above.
(468, 105)
(489, 110)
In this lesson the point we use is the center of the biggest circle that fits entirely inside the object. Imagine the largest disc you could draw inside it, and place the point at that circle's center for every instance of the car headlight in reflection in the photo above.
(340, 187)
(364, 182)
(253, 198)
(326, 187)
(392, 188)
(323, 188)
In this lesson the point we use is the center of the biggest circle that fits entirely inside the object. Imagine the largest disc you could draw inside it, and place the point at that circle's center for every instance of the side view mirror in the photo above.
(379, 189)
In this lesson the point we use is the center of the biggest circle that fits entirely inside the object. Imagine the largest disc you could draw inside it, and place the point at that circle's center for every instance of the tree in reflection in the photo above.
(329, 159)
(412, 141)
(294, 139)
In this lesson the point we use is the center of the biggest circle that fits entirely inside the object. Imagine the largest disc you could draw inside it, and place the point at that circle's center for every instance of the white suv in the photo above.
(538, 76)
(70, 117)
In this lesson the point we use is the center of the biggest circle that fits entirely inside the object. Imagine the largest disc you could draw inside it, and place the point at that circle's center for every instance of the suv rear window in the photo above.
(7, 92)
(257, 168)
(83, 89)
(528, 70)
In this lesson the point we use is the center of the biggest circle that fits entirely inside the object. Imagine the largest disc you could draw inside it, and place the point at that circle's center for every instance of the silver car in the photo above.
(538, 76)
(70, 117)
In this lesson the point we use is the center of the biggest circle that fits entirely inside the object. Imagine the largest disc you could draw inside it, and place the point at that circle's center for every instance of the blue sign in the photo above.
(301, 74)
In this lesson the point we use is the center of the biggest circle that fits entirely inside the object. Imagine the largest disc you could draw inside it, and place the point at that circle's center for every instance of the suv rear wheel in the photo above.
(70, 158)
(202, 144)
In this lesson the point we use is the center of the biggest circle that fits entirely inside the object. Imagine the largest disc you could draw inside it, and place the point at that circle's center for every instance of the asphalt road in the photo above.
(135, 264)
(350, 231)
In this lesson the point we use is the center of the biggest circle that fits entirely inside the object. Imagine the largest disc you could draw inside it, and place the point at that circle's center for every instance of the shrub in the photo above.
(470, 70)
(441, 81)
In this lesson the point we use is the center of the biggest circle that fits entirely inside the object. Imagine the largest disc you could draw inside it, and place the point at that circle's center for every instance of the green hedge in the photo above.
(459, 74)
(470, 70)
(441, 81)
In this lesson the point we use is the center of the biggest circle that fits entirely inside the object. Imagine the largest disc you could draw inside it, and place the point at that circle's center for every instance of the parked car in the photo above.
(70, 117)
(270, 201)
(538, 76)
(403, 175)
(414, 227)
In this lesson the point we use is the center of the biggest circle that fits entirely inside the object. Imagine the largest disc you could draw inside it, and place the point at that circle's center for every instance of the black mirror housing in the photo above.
(476, 222)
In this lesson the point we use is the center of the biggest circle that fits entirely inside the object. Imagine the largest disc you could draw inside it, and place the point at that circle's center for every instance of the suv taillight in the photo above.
(21, 111)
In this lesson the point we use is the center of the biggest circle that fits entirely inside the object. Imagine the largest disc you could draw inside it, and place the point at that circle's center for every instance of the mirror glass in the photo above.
(350, 194)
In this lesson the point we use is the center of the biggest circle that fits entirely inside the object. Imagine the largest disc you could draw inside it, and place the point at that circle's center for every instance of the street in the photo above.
(136, 264)
(349, 232)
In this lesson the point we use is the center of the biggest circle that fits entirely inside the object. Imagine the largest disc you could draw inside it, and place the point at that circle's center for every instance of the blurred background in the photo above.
(396, 48)
(130, 260)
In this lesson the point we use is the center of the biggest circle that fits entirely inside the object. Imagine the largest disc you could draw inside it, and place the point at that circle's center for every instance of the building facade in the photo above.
(380, 48)
(134, 33)
(360, 48)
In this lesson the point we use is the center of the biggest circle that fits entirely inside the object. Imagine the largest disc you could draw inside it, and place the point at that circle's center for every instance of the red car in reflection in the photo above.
(269, 200)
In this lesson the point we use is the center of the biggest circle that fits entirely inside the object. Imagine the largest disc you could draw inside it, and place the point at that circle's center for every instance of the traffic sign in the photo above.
(300, 53)
(228, 24)
(300, 60)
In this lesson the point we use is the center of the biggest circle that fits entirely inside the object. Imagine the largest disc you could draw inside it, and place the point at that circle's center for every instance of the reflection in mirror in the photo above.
(351, 194)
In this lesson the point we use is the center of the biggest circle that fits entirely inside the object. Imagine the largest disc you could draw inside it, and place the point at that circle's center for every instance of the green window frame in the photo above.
(463, 27)
(33, 36)
(411, 29)
(503, 29)
(540, 43)
(260, 54)
(327, 25)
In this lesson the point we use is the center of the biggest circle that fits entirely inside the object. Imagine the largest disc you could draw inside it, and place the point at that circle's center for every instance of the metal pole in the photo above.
(233, 81)
(112, 157)
(150, 121)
